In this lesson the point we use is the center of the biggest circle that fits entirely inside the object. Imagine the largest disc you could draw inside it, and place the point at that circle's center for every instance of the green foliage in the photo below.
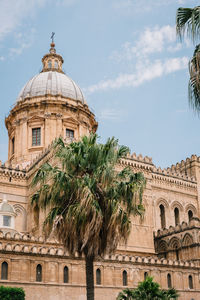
(148, 290)
(188, 19)
(10, 293)
(89, 202)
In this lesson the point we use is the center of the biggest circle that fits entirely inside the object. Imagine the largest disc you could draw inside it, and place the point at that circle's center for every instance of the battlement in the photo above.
(194, 223)
(18, 243)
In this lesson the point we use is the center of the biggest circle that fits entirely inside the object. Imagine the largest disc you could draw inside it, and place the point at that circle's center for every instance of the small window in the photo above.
(7, 221)
(69, 134)
(145, 275)
(98, 276)
(13, 145)
(39, 273)
(36, 136)
(125, 281)
(66, 275)
(190, 281)
(56, 64)
(4, 270)
(169, 281)
(190, 215)
(176, 216)
(49, 64)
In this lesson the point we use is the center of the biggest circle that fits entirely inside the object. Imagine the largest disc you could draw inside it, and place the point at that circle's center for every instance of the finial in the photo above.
(52, 49)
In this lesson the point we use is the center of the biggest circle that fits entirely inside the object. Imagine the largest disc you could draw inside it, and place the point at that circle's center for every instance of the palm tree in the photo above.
(188, 19)
(148, 290)
(89, 202)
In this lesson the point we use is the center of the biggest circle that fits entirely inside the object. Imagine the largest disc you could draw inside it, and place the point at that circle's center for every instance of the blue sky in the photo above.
(125, 56)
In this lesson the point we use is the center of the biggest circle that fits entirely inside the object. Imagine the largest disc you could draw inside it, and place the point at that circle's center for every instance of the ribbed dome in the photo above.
(54, 83)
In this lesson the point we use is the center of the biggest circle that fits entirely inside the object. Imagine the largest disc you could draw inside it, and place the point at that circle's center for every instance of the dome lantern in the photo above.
(52, 61)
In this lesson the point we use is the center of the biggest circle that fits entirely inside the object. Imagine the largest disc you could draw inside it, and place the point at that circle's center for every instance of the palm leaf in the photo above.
(188, 20)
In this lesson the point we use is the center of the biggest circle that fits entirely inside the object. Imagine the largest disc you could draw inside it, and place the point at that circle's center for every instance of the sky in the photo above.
(125, 56)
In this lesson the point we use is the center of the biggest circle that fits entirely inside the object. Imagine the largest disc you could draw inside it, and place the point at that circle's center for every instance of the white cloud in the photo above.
(144, 72)
(149, 42)
(12, 13)
(2, 58)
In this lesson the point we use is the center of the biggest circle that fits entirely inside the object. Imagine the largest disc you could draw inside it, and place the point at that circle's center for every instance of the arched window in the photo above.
(190, 215)
(98, 276)
(176, 216)
(4, 270)
(169, 281)
(39, 273)
(162, 216)
(177, 253)
(56, 64)
(66, 275)
(125, 281)
(49, 64)
(190, 282)
(145, 275)
(13, 145)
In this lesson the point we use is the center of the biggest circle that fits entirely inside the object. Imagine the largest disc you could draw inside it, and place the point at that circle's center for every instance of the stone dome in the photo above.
(53, 83)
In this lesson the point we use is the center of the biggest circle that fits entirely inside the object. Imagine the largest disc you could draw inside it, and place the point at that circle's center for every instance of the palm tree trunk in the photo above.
(89, 268)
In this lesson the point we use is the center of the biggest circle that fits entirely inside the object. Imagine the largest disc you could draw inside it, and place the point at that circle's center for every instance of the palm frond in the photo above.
(188, 20)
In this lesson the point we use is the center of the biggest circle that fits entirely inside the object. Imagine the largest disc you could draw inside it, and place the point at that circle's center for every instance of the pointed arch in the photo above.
(174, 243)
(187, 240)
(178, 205)
(162, 246)
(21, 218)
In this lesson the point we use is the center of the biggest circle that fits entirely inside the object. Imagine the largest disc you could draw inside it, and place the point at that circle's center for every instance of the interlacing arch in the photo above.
(187, 240)
(162, 201)
(178, 205)
(162, 246)
(174, 243)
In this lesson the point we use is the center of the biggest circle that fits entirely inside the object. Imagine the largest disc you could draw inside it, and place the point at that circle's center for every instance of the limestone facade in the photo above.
(166, 244)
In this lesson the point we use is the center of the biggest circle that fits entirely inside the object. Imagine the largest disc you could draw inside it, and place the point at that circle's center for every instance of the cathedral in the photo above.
(165, 244)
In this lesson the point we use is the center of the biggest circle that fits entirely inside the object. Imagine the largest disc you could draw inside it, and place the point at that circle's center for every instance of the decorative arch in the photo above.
(21, 218)
(174, 243)
(178, 205)
(162, 246)
(163, 202)
(192, 208)
(187, 240)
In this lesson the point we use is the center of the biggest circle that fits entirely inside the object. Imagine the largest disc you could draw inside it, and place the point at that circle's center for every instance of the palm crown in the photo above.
(188, 20)
(89, 201)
